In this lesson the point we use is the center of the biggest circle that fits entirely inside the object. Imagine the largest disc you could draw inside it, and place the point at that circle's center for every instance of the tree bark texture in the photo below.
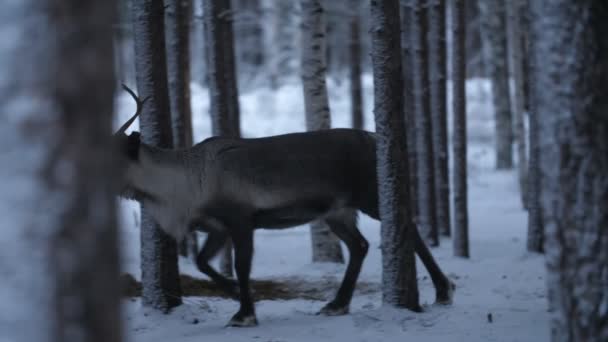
(408, 103)
(427, 219)
(459, 138)
(160, 274)
(223, 89)
(439, 114)
(536, 231)
(59, 255)
(356, 89)
(325, 245)
(570, 81)
(399, 287)
(516, 51)
(494, 34)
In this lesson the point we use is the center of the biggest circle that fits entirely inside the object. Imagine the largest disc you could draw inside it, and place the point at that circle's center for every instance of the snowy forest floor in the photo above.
(500, 294)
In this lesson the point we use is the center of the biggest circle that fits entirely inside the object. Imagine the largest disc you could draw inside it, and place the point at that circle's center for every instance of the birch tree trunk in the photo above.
(427, 219)
(516, 49)
(159, 270)
(408, 104)
(59, 251)
(536, 230)
(223, 90)
(439, 114)
(325, 245)
(494, 34)
(399, 287)
(570, 81)
(459, 138)
(356, 90)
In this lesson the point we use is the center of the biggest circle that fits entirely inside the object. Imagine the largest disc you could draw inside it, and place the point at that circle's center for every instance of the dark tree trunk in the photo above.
(494, 33)
(408, 103)
(325, 245)
(427, 219)
(223, 90)
(160, 274)
(516, 52)
(356, 91)
(475, 67)
(459, 139)
(571, 79)
(178, 15)
(439, 114)
(399, 287)
(249, 38)
(536, 230)
(59, 251)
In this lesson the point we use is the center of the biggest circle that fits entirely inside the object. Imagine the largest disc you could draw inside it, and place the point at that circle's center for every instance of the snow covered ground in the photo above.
(500, 293)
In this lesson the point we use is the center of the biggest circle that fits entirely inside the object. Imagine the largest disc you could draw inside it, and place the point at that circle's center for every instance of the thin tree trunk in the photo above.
(535, 238)
(439, 113)
(459, 176)
(475, 65)
(223, 90)
(494, 34)
(160, 274)
(427, 219)
(59, 250)
(178, 14)
(356, 91)
(408, 104)
(399, 287)
(571, 77)
(517, 49)
(325, 245)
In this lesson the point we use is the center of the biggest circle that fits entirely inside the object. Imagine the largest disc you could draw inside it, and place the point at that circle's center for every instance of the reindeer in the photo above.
(228, 187)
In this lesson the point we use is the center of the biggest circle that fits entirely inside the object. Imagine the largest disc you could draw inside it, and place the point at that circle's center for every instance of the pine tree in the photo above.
(494, 34)
(399, 287)
(459, 139)
(223, 89)
(439, 114)
(59, 246)
(427, 219)
(570, 78)
(160, 274)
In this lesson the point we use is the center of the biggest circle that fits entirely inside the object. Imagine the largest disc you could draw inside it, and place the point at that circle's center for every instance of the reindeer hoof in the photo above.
(446, 297)
(242, 320)
(331, 309)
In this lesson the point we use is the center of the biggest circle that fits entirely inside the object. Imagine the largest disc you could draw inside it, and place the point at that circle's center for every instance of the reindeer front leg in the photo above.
(243, 250)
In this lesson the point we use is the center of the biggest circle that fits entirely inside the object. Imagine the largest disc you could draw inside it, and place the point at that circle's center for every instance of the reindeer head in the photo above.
(128, 145)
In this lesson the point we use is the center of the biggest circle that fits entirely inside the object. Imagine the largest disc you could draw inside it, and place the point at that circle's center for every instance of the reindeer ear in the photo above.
(133, 141)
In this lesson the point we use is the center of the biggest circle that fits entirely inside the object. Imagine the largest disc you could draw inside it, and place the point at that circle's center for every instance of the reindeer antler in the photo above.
(140, 105)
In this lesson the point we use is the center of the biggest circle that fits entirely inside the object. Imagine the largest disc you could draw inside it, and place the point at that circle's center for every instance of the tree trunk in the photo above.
(494, 34)
(427, 219)
(570, 81)
(325, 245)
(178, 14)
(535, 238)
(408, 104)
(475, 67)
(280, 40)
(249, 39)
(399, 287)
(223, 90)
(356, 91)
(517, 49)
(59, 249)
(459, 142)
(439, 114)
(160, 274)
